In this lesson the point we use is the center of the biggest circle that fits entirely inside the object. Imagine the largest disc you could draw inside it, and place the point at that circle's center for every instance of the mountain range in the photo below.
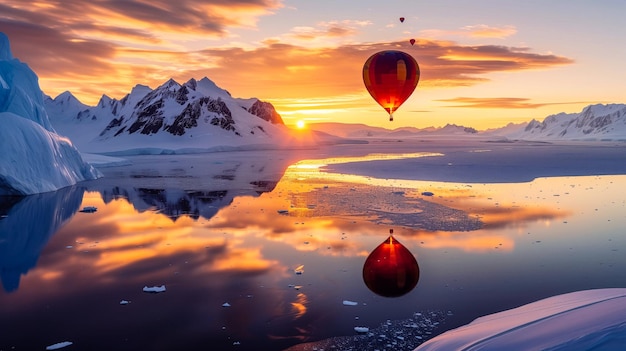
(200, 116)
(594, 123)
(191, 117)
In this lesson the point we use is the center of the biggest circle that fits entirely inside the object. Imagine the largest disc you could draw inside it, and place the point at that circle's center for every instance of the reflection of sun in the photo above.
(300, 124)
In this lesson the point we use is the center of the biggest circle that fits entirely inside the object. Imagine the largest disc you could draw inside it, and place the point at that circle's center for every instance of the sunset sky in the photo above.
(484, 63)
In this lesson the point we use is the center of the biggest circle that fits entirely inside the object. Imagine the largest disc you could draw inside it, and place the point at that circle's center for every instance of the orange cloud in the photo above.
(107, 47)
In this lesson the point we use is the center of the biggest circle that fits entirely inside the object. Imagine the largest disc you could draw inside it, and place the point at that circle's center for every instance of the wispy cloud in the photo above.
(485, 31)
(327, 30)
(499, 102)
(473, 31)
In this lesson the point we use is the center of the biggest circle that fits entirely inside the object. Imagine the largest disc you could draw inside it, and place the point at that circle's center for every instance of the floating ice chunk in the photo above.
(69, 247)
(361, 329)
(89, 209)
(299, 270)
(59, 345)
(349, 303)
(283, 212)
(124, 302)
(427, 193)
(225, 304)
(236, 343)
(154, 289)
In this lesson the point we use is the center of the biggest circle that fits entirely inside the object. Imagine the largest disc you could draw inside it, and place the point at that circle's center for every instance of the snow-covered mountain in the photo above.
(33, 158)
(364, 131)
(595, 122)
(194, 115)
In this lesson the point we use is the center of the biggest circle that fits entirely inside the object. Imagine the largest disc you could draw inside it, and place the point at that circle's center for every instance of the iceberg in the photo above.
(581, 320)
(33, 157)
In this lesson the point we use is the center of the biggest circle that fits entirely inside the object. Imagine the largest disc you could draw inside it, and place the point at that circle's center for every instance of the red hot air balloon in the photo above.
(401, 19)
(391, 77)
(391, 270)
(412, 41)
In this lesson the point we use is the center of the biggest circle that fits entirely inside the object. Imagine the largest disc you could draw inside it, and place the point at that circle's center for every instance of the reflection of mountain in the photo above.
(176, 202)
(26, 225)
(193, 185)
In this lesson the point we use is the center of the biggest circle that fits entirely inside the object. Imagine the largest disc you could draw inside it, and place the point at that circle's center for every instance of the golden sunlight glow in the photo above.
(300, 124)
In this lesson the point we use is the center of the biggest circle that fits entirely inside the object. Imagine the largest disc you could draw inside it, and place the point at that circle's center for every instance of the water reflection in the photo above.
(243, 238)
(391, 270)
(26, 225)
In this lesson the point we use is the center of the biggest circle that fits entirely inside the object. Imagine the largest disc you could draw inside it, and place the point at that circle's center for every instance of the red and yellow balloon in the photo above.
(391, 77)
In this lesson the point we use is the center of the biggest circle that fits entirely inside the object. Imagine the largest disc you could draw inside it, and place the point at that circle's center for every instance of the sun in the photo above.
(300, 124)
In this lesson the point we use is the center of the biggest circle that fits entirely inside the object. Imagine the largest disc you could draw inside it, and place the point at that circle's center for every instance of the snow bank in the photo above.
(582, 320)
(100, 161)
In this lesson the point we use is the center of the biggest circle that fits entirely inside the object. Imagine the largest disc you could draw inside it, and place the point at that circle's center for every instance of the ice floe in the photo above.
(89, 209)
(154, 289)
(59, 345)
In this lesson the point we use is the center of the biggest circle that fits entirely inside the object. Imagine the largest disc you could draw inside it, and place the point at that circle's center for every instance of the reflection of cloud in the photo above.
(299, 306)
(471, 242)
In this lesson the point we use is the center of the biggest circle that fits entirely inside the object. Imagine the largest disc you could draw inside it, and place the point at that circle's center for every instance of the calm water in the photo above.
(233, 229)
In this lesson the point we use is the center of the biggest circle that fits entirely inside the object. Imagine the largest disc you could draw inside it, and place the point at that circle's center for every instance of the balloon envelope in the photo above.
(391, 270)
(402, 19)
(391, 77)
(412, 41)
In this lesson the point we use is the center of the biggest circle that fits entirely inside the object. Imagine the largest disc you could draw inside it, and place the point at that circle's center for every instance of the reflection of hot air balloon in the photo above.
(412, 41)
(391, 270)
(401, 19)
(390, 77)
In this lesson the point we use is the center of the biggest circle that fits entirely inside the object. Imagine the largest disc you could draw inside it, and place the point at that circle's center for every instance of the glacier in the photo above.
(33, 157)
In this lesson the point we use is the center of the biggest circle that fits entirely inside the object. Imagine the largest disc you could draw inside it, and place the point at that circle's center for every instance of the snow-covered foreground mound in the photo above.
(33, 158)
(582, 320)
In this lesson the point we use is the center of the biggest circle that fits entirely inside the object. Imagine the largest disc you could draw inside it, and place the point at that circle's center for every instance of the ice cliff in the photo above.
(33, 157)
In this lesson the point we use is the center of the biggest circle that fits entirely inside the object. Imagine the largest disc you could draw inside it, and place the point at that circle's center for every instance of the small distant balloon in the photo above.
(391, 270)
(391, 77)
(401, 19)
(412, 41)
